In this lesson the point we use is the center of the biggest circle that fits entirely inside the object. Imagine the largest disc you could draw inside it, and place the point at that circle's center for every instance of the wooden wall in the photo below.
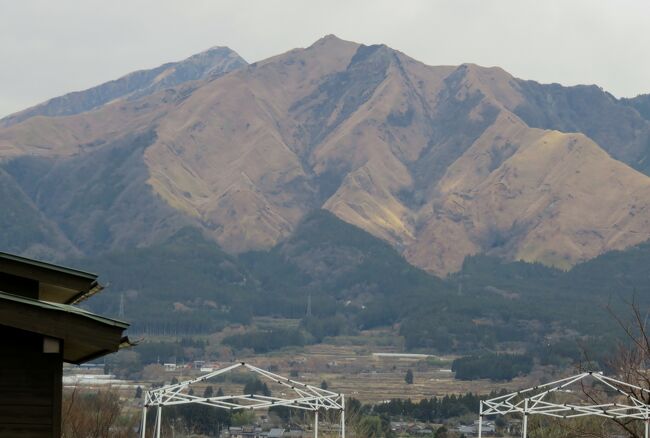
(30, 387)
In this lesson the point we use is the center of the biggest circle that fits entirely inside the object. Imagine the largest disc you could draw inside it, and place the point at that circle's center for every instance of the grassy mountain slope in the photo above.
(381, 134)
(618, 126)
(209, 64)
(98, 200)
(641, 103)
(25, 229)
(440, 162)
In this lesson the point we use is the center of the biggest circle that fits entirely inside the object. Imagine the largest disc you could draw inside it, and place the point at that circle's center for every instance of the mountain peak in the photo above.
(328, 38)
(499, 86)
(213, 51)
(210, 63)
(331, 41)
(219, 48)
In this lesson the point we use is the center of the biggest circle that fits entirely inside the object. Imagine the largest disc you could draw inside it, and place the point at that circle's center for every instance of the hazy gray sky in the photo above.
(48, 47)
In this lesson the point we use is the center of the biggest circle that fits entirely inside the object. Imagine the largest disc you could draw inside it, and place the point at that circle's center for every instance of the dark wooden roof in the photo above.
(56, 283)
(85, 335)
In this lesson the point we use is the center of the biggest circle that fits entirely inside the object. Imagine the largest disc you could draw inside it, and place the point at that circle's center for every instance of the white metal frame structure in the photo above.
(307, 397)
(534, 401)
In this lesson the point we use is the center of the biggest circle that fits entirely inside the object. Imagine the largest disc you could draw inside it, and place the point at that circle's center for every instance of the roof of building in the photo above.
(85, 335)
(56, 283)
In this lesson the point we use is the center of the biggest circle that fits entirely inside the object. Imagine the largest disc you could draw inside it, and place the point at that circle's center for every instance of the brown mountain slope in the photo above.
(533, 195)
(71, 135)
(226, 153)
(432, 159)
(513, 191)
(618, 126)
(208, 64)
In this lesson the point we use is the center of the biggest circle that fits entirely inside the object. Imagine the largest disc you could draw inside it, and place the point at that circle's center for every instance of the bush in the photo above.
(265, 341)
(496, 367)
(256, 387)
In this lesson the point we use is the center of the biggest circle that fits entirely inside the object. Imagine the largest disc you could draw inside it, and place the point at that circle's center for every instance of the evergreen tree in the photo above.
(409, 377)
(370, 426)
(442, 432)
(256, 387)
(208, 392)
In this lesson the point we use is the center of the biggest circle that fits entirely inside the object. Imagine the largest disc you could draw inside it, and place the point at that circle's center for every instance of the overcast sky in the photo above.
(48, 47)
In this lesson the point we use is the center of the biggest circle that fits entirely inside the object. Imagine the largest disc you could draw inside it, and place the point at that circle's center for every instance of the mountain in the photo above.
(205, 65)
(115, 209)
(440, 162)
(25, 229)
(618, 126)
(641, 103)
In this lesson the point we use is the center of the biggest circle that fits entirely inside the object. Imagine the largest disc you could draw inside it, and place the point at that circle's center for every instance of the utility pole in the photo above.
(121, 312)
(309, 305)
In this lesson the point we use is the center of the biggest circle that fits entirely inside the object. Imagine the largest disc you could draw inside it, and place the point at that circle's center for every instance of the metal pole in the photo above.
(480, 420)
(155, 426)
(646, 428)
(315, 424)
(143, 427)
(525, 427)
(159, 421)
(343, 417)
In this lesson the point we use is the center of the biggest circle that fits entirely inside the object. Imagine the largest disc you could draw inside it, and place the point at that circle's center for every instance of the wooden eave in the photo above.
(85, 335)
(56, 283)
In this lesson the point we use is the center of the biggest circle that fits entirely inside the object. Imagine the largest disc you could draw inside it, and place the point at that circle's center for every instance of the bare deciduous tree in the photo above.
(628, 363)
(100, 414)
(631, 363)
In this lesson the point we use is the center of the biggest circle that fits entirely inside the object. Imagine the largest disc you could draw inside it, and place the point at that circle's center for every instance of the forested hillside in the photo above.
(358, 282)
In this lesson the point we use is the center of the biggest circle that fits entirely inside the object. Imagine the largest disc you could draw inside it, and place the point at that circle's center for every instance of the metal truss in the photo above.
(535, 401)
(305, 397)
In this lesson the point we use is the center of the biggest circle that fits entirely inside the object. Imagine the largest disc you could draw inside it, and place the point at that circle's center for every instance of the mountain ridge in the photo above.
(207, 64)
(441, 162)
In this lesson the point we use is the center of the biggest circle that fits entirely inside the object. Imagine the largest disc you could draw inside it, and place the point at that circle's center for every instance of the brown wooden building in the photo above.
(41, 328)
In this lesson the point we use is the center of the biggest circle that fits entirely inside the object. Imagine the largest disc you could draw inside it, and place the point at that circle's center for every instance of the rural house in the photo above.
(41, 328)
